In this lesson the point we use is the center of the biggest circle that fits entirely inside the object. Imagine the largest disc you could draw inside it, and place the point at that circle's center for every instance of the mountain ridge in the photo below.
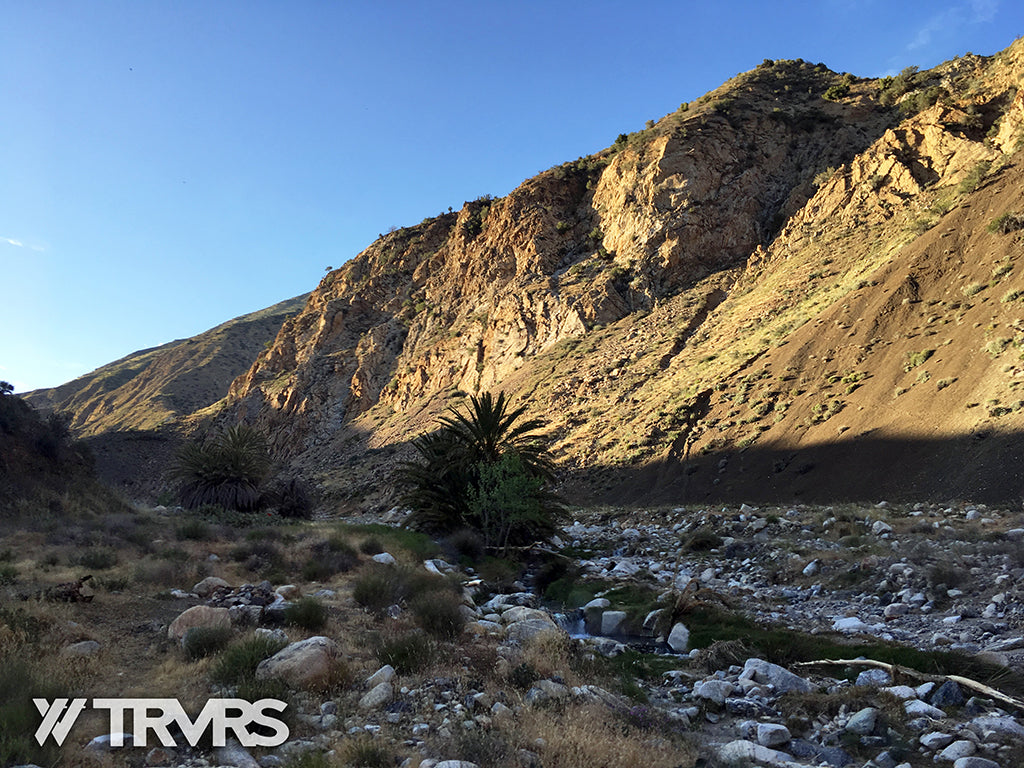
(751, 276)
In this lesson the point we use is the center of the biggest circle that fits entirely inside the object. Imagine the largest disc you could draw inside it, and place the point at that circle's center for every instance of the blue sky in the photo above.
(166, 166)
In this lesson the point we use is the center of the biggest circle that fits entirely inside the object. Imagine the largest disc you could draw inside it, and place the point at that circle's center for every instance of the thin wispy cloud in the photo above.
(983, 11)
(19, 244)
(971, 12)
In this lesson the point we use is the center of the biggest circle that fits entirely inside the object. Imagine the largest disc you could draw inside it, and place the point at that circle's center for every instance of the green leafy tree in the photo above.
(226, 470)
(487, 469)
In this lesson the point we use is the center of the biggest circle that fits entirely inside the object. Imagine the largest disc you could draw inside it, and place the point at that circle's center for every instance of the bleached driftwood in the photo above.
(895, 671)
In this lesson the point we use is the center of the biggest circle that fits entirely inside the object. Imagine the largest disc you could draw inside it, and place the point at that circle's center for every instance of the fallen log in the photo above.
(895, 671)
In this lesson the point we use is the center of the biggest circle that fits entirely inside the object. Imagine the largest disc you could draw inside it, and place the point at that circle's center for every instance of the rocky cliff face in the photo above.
(786, 288)
(756, 275)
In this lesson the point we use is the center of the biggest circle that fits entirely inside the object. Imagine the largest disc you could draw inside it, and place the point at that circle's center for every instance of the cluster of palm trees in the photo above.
(488, 470)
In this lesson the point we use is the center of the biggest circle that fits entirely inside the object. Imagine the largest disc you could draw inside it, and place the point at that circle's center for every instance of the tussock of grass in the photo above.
(593, 735)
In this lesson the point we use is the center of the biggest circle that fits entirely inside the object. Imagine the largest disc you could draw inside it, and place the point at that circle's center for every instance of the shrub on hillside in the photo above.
(200, 642)
(308, 613)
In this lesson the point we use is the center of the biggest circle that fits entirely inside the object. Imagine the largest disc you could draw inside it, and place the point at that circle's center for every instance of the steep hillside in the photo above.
(728, 303)
(157, 386)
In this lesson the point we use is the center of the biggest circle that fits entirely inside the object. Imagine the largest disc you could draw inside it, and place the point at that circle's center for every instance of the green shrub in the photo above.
(974, 177)
(703, 539)
(308, 613)
(19, 718)
(8, 574)
(1007, 223)
(836, 92)
(239, 661)
(200, 642)
(98, 558)
(193, 529)
(329, 558)
(408, 653)
(381, 586)
(371, 546)
(439, 614)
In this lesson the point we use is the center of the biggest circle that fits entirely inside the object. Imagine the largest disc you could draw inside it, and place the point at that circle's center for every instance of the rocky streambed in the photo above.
(934, 589)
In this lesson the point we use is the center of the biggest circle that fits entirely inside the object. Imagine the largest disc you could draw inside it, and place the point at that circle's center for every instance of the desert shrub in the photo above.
(98, 558)
(1007, 223)
(330, 557)
(308, 613)
(292, 498)
(8, 574)
(484, 748)
(225, 470)
(239, 661)
(915, 359)
(487, 470)
(974, 177)
(200, 642)
(371, 546)
(439, 614)
(466, 544)
(258, 556)
(19, 718)
(364, 752)
(193, 529)
(702, 540)
(408, 653)
(380, 586)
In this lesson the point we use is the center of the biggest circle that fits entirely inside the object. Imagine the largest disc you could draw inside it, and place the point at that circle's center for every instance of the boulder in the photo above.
(740, 750)
(780, 678)
(209, 585)
(772, 734)
(302, 664)
(679, 638)
(199, 616)
(377, 696)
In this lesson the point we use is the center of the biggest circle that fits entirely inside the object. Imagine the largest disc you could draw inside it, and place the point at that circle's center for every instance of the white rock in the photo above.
(918, 708)
(956, 750)
(379, 695)
(880, 528)
(382, 675)
(713, 690)
(935, 740)
(780, 678)
(384, 558)
(209, 585)
(737, 751)
(849, 624)
(679, 638)
(772, 734)
(612, 621)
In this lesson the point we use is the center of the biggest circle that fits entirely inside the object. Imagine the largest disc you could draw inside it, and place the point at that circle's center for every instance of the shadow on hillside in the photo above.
(980, 467)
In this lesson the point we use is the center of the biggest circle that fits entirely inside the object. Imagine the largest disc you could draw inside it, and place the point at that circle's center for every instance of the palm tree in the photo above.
(484, 469)
(226, 470)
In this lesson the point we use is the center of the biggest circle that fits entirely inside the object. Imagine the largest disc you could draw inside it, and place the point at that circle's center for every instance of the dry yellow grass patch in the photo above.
(590, 734)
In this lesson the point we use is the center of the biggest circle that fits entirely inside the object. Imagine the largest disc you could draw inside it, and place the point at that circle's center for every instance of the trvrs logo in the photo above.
(219, 716)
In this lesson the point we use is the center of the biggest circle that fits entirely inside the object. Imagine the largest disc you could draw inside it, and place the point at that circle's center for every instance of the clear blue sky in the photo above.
(166, 166)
